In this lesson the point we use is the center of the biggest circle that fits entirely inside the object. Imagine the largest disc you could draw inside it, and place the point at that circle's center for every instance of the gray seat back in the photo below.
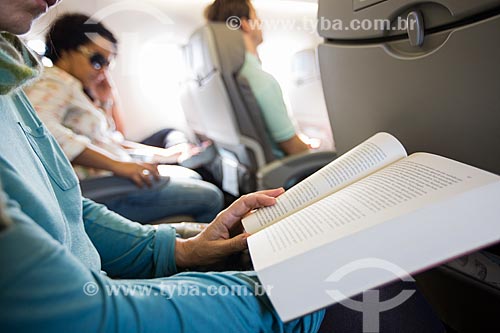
(222, 99)
(442, 97)
(205, 101)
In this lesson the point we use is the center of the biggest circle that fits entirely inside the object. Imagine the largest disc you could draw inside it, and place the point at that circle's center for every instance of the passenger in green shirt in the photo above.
(265, 88)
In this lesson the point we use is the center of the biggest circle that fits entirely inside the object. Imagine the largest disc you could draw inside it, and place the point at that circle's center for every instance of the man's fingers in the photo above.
(249, 202)
(236, 229)
(243, 205)
(276, 192)
(234, 245)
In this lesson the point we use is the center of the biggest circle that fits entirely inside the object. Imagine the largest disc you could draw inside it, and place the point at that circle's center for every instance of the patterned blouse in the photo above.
(73, 118)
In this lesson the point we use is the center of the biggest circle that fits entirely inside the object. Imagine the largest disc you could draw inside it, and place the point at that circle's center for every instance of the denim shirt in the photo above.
(36, 174)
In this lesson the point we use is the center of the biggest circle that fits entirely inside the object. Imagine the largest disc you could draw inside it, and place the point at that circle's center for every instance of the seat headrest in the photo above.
(199, 54)
(212, 45)
(230, 45)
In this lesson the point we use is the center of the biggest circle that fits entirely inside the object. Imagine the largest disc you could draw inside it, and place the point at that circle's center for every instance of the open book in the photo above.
(371, 216)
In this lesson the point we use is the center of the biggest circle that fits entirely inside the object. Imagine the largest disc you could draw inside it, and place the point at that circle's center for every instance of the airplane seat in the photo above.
(435, 85)
(195, 130)
(223, 102)
(306, 94)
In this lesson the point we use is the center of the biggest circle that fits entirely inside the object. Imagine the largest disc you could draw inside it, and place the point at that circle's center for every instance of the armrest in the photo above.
(292, 169)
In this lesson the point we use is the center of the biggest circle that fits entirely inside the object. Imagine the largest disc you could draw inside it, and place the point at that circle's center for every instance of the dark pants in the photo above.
(169, 137)
(165, 138)
(413, 316)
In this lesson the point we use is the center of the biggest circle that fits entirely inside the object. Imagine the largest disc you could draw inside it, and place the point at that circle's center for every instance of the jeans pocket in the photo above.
(51, 156)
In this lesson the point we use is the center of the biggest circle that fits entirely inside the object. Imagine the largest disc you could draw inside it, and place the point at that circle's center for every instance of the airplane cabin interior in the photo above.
(267, 107)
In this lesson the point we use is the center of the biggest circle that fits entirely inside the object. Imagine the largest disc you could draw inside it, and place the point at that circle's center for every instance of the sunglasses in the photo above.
(96, 59)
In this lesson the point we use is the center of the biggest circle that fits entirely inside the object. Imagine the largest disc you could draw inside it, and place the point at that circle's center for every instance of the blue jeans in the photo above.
(166, 198)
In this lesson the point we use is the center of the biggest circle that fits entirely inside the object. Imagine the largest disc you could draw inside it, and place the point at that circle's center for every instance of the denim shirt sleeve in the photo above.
(45, 288)
(129, 249)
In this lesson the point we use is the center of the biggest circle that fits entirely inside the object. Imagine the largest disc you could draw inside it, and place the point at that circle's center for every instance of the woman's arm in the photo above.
(138, 172)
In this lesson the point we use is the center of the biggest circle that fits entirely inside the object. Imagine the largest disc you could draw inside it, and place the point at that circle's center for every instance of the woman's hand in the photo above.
(103, 91)
(215, 243)
(140, 173)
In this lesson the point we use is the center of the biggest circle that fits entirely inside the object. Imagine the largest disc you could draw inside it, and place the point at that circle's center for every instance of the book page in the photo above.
(380, 150)
(404, 186)
(390, 251)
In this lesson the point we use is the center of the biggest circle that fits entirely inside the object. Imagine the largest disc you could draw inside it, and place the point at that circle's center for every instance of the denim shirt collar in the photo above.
(18, 65)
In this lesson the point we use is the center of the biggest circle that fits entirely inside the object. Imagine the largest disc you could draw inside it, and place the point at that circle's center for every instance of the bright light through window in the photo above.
(160, 72)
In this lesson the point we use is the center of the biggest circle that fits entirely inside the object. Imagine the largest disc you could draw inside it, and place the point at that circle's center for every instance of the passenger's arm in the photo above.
(45, 288)
(51, 99)
(129, 249)
(293, 146)
(132, 250)
(94, 157)
(170, 155)
(216, 242)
